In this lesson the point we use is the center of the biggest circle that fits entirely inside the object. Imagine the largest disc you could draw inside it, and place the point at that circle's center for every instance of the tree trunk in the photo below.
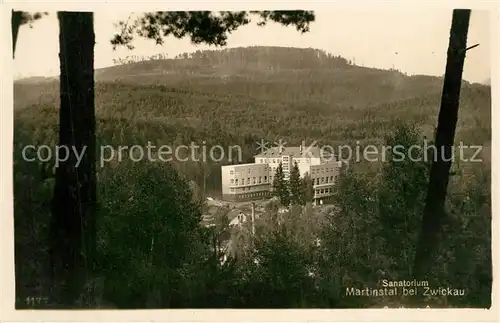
(436, 193)
(73, 227)
(15, 24)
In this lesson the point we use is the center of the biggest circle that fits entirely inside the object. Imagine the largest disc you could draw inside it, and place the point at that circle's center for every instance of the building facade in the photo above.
(245, 182)
(254, 181)
(324, 177)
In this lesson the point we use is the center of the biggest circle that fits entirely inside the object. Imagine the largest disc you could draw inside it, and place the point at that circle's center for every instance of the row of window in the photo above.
(251, 195)
(318, 191)
(321, 170)
(243, 189)
(306, 161)
(248, 182)
(249, 171)
(324, 180)
(260, 180)
(285, 169)
(323, 191)
(277, 161)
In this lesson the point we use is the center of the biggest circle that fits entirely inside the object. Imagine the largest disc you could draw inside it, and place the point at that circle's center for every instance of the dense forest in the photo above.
(238, 97)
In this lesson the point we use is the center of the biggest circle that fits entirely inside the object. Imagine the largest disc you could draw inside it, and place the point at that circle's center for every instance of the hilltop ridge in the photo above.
(257, 62)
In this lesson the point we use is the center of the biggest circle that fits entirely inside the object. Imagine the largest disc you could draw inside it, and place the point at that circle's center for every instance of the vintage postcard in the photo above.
(228, 158)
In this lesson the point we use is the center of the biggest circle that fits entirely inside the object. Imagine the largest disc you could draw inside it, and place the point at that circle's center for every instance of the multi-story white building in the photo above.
(245, 182)
(324, 177)
(254, 181)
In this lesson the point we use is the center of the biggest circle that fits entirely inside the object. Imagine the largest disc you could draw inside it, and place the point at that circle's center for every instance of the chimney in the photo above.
(253, 218)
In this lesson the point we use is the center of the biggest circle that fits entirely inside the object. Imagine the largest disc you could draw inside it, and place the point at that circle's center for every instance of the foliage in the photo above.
(20, 18)
(350, 239)
(307, 189)
(281, 186)
(278, 276)
(203, 26)
(29, 18)
(401, 196)
(386, 211)
(295, 187)
(153, 207)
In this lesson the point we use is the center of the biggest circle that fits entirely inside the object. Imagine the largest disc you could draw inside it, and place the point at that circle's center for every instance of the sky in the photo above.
(413, 40)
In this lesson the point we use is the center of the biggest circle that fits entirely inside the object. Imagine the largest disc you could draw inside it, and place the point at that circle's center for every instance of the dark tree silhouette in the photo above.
(296, 189)
(72, 228)
(434, 212)
(208, 27)
(20, 18)
(307, 189)
(280, 186)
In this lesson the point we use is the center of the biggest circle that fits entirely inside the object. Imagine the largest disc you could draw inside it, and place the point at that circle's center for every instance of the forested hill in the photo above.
(260, 60)
(276, 63)
(263, 73)
(294, 92)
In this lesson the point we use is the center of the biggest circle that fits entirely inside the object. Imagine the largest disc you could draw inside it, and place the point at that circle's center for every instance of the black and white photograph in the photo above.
(251, 159)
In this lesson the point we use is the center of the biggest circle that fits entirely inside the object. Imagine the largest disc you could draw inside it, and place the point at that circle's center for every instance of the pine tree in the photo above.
(168, 237)
(434, 214)
(295, 187)
(73, 222)
(280, 187)
(21, 18)
(307, 189)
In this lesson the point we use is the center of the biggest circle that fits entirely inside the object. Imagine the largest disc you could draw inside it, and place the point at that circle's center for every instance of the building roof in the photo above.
(245, 165)
(296, 152)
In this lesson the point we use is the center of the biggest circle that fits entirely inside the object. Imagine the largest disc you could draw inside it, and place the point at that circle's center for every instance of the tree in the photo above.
(73, 222)
(401, 196)
(203, 26)
(279, 275)
(280, 186)
(152, 205)
(21, 18)
(204, 170)
(295, 187)
(434, 212)
(349, 238)
(197, 193)
(307, 189)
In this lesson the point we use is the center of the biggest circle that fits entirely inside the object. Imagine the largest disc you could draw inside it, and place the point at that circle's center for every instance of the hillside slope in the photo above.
(271, 93)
